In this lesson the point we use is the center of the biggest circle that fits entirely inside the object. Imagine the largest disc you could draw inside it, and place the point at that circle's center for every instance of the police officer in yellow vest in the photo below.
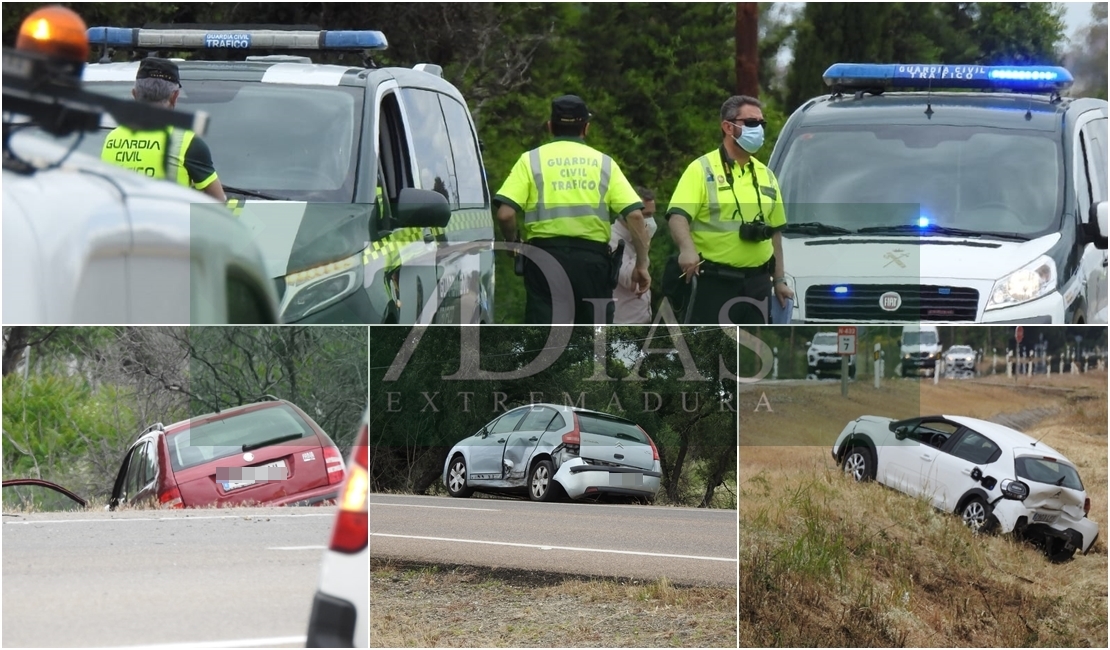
(569, 194)
(178, 155)
(726, 215)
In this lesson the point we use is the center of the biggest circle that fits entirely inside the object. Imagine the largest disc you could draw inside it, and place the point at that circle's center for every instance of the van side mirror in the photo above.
(422, 209)
(808, 344)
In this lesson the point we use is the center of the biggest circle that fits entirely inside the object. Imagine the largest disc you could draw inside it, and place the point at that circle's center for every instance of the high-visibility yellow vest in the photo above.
(157, 154)
(572, 186)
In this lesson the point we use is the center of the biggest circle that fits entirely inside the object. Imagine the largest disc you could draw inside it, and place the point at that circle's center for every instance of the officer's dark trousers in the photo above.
(718, 285)
(588, 268)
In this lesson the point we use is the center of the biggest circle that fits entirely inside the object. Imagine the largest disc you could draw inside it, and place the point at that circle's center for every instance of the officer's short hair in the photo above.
(645, 193)
(731, 108)
(154, 91)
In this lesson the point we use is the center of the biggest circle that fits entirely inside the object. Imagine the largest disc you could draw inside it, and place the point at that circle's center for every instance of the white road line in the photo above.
(544, 547)
(237, 643)
(408, 505)
(97, 521)
(296, 548)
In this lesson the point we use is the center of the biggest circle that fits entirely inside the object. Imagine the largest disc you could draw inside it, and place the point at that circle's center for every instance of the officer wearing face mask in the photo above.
(726, 215)
(632, 306)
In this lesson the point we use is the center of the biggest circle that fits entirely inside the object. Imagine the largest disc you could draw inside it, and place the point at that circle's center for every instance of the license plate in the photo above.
(626, 479)
(1043, 518)
(250, 475)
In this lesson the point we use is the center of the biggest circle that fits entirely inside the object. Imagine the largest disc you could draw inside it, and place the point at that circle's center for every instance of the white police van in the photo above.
(959, 206)
(363, 186)
(86, 242)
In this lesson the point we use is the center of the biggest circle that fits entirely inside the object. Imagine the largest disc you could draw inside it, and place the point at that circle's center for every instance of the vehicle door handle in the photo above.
(618, 456)
(927, 456)
(501, 440)
(533, 439)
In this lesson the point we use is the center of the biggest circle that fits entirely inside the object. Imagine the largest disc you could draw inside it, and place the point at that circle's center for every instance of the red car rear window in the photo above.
(228, 436)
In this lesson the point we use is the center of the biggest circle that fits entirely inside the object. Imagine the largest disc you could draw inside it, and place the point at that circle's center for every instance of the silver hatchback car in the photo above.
(542, 449)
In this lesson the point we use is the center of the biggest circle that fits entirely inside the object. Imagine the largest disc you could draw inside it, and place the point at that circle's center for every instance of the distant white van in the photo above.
(920, 350)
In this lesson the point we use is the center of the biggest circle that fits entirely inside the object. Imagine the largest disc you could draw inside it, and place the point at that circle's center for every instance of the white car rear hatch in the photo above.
(613, 441)
(1054, 484)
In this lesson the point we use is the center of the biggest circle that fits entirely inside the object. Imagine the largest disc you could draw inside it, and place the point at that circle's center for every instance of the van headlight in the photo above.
(1036, 280)
(313, 289)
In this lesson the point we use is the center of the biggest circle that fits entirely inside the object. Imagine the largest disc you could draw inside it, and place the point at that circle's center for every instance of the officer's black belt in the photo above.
(602, 248)
(737, 273)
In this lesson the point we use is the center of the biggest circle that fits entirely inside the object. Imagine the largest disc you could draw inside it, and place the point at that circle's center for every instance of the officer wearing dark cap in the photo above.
(569, 194)
(178, 155)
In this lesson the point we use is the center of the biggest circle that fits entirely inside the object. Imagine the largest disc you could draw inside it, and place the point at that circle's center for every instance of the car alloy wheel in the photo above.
(975, 514)
(540, 481)
(856, 464)
(456, 478)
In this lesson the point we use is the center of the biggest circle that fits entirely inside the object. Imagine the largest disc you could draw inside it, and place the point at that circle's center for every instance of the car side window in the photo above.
(150, 461)
(135, 467)
(508, 422)
(976, 448)
(464, 149)
(431, 144)
(393, 155)
(1096, 136)
(537, 419)
(557, 423)
(934, 433)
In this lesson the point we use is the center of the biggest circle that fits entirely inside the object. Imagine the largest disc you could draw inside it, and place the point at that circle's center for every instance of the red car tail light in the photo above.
(574, 436)
(1086, 506)
(654, 451)
(352, 526)
(333, 460)
(171, 498)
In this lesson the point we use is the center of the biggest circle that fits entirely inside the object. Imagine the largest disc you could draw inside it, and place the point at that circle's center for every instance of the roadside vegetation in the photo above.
(419, 605)
(74, 399)
(826, 561)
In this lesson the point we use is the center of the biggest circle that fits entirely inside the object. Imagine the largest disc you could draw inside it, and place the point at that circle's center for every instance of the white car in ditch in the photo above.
(997, 479)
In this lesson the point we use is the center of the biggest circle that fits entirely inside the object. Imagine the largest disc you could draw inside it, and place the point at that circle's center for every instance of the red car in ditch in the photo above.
(268, 453)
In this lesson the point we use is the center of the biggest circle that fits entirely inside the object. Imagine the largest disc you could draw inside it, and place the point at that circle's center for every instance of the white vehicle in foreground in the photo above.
(997, 479)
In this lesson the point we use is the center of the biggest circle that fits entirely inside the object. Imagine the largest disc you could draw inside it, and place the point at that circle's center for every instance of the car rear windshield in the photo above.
(986, 180)
(227, 437)
(295, 142)
(1041, 470)
(613, 428)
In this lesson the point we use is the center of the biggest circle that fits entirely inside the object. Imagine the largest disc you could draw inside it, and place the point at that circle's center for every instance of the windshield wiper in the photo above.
(273, 441)
(817, 228)
(258, 195)
(940, 230)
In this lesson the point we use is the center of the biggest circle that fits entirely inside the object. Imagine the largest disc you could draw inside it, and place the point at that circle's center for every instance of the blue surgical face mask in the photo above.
(751, 138)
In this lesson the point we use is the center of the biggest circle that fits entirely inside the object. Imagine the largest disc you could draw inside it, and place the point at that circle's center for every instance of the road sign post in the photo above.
(846, 347)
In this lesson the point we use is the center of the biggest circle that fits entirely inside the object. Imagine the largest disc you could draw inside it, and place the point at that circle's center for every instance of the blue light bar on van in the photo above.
(848, 76)
(236, 39)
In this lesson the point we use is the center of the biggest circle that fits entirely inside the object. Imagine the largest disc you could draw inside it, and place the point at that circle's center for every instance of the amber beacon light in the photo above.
(56, 32)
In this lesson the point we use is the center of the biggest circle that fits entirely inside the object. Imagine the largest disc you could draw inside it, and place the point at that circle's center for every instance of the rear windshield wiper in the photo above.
(940, 230)
(817, 228)
(273, 441)
(258, 195)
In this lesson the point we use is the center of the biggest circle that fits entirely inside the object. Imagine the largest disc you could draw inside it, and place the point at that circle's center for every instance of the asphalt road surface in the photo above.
(241, 577)
(687, 545)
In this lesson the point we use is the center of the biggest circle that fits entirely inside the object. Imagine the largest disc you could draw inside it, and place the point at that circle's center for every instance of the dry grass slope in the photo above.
(826, 562)
(452, 606)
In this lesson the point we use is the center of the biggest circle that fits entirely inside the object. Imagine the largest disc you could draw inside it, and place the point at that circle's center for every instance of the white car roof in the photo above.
(1004, 435)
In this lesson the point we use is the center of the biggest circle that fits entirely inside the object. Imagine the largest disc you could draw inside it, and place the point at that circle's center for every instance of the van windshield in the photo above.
(990, 181)
(291, 142)
(919, 338)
